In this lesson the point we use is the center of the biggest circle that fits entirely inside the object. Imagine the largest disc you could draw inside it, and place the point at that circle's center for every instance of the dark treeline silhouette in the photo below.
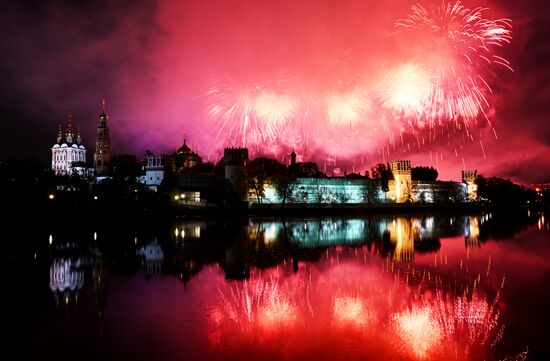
(428, 174)
(503, 193)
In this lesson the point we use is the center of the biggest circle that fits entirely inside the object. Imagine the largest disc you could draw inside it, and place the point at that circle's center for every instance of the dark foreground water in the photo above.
(376, 287)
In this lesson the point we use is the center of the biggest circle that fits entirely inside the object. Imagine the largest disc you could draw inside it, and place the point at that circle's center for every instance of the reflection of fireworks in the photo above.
(258, 302)
(461, 44)
(440, 323)
(418, 330)
(354, 311)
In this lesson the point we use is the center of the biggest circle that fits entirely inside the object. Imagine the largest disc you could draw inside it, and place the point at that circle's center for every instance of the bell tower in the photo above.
(400, 186)
(469, 177)
(102, 153)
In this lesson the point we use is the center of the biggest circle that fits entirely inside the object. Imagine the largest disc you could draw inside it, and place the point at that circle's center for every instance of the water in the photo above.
(377, 287)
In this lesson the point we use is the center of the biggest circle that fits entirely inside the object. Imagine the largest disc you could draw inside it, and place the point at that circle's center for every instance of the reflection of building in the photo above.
(66, 280)
(102, 153)
(153, 256)
(402, 237)
(471, 232)
(68, 153)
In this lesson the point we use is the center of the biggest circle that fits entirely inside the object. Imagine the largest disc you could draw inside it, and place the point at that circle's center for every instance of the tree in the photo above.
(381, 173)
(124, 166)
(503, 192)
(306, 170)
(262, 171)
(428, 174)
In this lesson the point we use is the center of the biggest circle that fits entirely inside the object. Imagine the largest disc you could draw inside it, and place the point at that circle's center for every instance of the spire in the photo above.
(69, 131)
(59, 133)
(103, 117)
(78, 138)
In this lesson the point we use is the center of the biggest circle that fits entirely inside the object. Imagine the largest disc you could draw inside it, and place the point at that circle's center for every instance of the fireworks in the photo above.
(460, 44)
(346, 109)
(247, 113)
(442, 80)
(407, 89)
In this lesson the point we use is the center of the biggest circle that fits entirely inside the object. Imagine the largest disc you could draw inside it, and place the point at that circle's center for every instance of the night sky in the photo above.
(155, 61)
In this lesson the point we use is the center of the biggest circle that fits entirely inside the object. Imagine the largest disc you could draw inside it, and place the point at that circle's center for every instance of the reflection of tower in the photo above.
(235, 160)
(101, 287)
(236, 265)
(401, 235)
(469, 177)
(472, 232)
(102, 153)
(400, 186)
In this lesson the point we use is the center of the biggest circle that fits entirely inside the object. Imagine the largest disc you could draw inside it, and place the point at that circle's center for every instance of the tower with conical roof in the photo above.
(102, 153)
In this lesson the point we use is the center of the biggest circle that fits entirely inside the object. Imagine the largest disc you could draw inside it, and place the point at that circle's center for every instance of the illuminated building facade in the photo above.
(68, 153)
(153, 169)
(363, 191)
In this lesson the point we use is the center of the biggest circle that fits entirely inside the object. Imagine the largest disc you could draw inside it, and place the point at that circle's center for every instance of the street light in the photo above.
(51, 196)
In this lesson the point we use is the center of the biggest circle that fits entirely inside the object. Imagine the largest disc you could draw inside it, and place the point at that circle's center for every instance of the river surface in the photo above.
(373, 287)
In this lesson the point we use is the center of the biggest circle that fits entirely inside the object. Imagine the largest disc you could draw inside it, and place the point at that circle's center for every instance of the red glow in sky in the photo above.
(310, 76)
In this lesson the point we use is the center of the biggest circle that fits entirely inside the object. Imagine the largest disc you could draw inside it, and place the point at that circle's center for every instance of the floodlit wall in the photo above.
(358, 191)
(326, 191)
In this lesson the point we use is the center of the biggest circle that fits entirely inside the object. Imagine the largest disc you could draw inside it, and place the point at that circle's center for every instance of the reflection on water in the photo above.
(374, 287)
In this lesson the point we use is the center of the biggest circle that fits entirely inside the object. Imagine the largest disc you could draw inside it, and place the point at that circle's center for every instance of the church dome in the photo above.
(184, 149)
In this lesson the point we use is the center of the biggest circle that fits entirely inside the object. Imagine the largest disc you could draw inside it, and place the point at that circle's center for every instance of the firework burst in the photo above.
(461, 45)
(247, 112)
(406, 90)
(346, 108)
